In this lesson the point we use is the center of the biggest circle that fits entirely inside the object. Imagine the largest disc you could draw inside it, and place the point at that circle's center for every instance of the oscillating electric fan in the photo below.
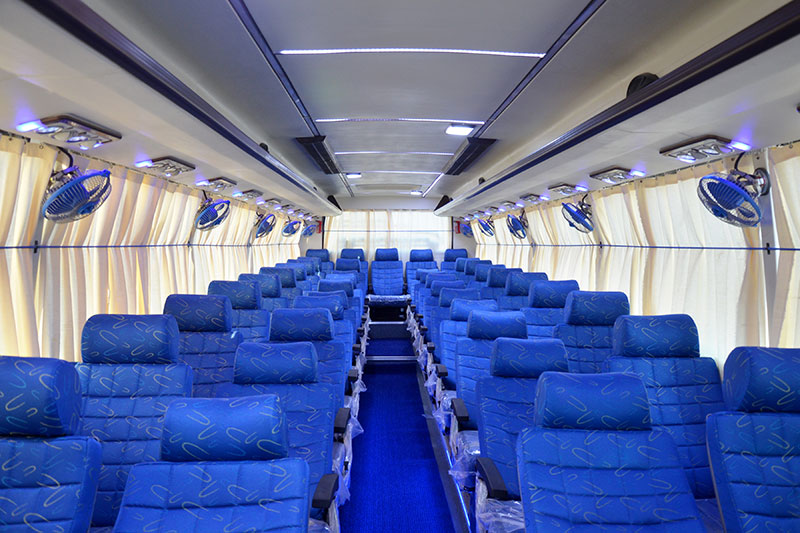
(211, 214)
(265, 223)
(71, 195)
(579, 215)
(486, 227)
(732, 197)
(466, 230)
(309, 230)
(516, 226)
(290, 228)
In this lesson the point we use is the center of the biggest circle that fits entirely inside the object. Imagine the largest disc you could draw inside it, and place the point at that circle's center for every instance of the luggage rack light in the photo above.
(251, 194)
(217, 184)
(615, 175)
(167, 166)
(564, 189)
(71, 129)
(705, 147)
(530, 198)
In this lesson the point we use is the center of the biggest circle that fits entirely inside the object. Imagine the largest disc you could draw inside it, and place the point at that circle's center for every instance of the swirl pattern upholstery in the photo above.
(454, 328)
(358, 267)
(451, 255)
(207, 340)
(418, 259)
(506, 398)
(248, 318)
(682, 387)
(434, 313)
(342, 328)
(325, 265)
(309, 405)
(481, 275)
(592, 461)
(128, 378)
(422, 275)
(518, 284)
(352, 313)
(49, 475)
(302, 283)
(496, 282)
(423, 296)
(223, 465)
(288, 278)
(387, 272)
(270, 290)
(546, 301)
(589, 322)
(469, 270)
(753, 446)
(346, 281)
(311, 266)
(387, 254)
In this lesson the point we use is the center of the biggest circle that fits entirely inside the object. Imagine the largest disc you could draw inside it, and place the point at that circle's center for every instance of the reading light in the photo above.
(564, 189)
(416, 192)
(703, 148)
(380, 152)
(290, 211)
(544, 197)
(738, 145)
(616, 175)
(459, 129)
(237, 194)
(260, 201)
(220, 184)
(278, 207)
(331, 51)
(519, 204)
(202, 183)
(353, 175)
(582, 188)
(251, 194)
(71, 129)
(638, 173)
(146, 163)
(488, 212)
(532, 198)
(29, 126)
(501, 209)
(167, 166)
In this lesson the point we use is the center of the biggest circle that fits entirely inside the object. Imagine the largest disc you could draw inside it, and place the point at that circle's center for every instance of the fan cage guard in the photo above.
(466, 230)
(732, 198)
(265, 224)
(71, 196)
(516, 226)
(309, 230)
(578, 216)
(486, 227)
(211, 214)
(290, 228)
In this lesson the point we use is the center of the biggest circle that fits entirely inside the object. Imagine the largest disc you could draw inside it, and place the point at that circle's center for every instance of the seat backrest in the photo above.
(451, 255)
(518, 285)
(482, 274)
(343, 329)
(129, 375)
(323, 254)
(207, 340)
(591, 461)
(546, 301)
(248, 318)
(49, 474)
(682, 387)
(453, 328)
(315, 263)
(302, 282)
(473, 352)
(418, 259)
(471, 265)
(589, 320)
(353, 253)
(496, 281)
(387, 276)
(271, 295)
(422, 276)
(506, 398)
(288, 277)
(459, 265)
(753, 445)
(387, 254)
(434, 313)
(424, 291)
(223, 461)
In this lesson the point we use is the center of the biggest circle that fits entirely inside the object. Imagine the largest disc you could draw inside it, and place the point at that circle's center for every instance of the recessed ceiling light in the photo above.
(401, 119)
(379, 152)
(459, 129)
(335, 51)
(353, 175)
(582, 188)
(416, 192)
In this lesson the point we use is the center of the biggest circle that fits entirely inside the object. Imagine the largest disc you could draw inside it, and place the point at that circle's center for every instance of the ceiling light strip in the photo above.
(432, 185)
(339, 51)
(380, 152)
(399, 119)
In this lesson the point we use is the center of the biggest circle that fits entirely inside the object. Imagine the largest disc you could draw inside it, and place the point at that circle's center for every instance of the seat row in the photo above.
(550, 399)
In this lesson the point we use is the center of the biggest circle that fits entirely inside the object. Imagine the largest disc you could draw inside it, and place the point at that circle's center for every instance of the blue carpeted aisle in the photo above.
(395, 483)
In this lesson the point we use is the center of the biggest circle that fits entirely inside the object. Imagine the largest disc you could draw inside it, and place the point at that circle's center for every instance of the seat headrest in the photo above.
(386, 254)
(497, 275)
(331, 303)
(249, 428)
(129, 339)
(595, 308)
(281, 363)
(348, 265)
(655, 336)
(321, 253)
(315, 262)
(299, 270)
(308, 266)
(461, 308)
(438, 276)
(472, 264)
(353, 253)
(421, 256)
(437, 286)
(550, 294)
(422, 273)
(461, 264)
(490, 325)
(242, 294)
(335, 285)
(762, 380)
(448, 294)
(270, 283)
(341, 296)
(197, 312)
(527, 358)
(482, 271)
(290, 325)
(286, 275)
(454, 254)
(605, 402)
(39, 397)
(519, 283)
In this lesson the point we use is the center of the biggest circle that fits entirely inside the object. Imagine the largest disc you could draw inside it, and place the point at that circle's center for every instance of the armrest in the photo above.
(489, 473)
(352, 374)
(430, 346)
(325, 492)
(423, 329)
(413, 307)
(360, 331)
(340, 422)
(357, 348)
(459, 410)
(419, 317)
(441, 370)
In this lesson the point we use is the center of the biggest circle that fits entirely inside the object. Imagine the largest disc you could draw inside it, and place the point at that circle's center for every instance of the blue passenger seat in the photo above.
(248, 318)
(325, 265)
(496, 282)
(482, 275)
(312, 268)
(301, 281)
(387, 272)
(418, 259)
(288, 277)
(470, 267)
(357, 254)
(434, 313)
(270, 290)
(352, 265)
(456, 326)
(518, 284)
(546, 301)
(342, 328)
(460, 266)
(450, 257)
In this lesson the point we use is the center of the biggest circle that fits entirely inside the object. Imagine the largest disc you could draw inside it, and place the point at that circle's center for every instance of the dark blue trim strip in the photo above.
(42, 246)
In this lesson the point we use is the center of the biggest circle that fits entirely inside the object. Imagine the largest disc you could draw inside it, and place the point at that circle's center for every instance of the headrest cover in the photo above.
(308, 266)
(129, 339)
(322, 253)
(472, 264)
(196, 312)
(348, 265)
(497, 276)
(250, 428)
(331, 303)
(299, 270)
(437, 286)
(421, 256)
(315, 263)
(39, 396)
(280, 363)
(353, 253)
(341, 296)
(454, 254)
(270, 283)
(386, 254)
(527, 358)
(461, 264)
(335, 285)
(460, 309)
(550, 294)
(655, 336)
(290, 325)
(589, 308)
(493, 324)
(605, 402)
(447, 295)
(482, 271)
(518, 283)
(422, 273)
(762, 380)
(286, 275)
(242, 294)
(439, 276)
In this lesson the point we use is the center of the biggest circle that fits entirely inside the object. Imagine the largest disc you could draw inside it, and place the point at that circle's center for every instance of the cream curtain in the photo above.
(125, 258)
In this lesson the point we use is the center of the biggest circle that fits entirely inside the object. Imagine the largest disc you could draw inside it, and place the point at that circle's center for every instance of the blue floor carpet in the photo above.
(389, 347)
(395, 483)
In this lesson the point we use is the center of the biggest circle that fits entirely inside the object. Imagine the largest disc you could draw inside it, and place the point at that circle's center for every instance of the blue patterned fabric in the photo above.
(753, 448)
(506, 398)
(493, 324)
(386, 254)
(329, 285)
(434, 313)
(496, 282)
(590, 318)
(424, 291)
(358, 268)
(197, 312)
(270, 283)
(453, 328)
(353, 253)
(418, 259)
(352, 316)
(49, 477)
(453, 254)
(518, 284)
(248, 318)
(282, 363)
(344, 264)
(306, 262)
(286, 275)
(460, 309)
(448, 294)
(323, 254)
(459, 265)
(315, 262)
(299, 270)
(592, 461)
(546, 301)
(422, 276)
(150, 339)
(242, 294)
(387, 277)
(420, 256)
